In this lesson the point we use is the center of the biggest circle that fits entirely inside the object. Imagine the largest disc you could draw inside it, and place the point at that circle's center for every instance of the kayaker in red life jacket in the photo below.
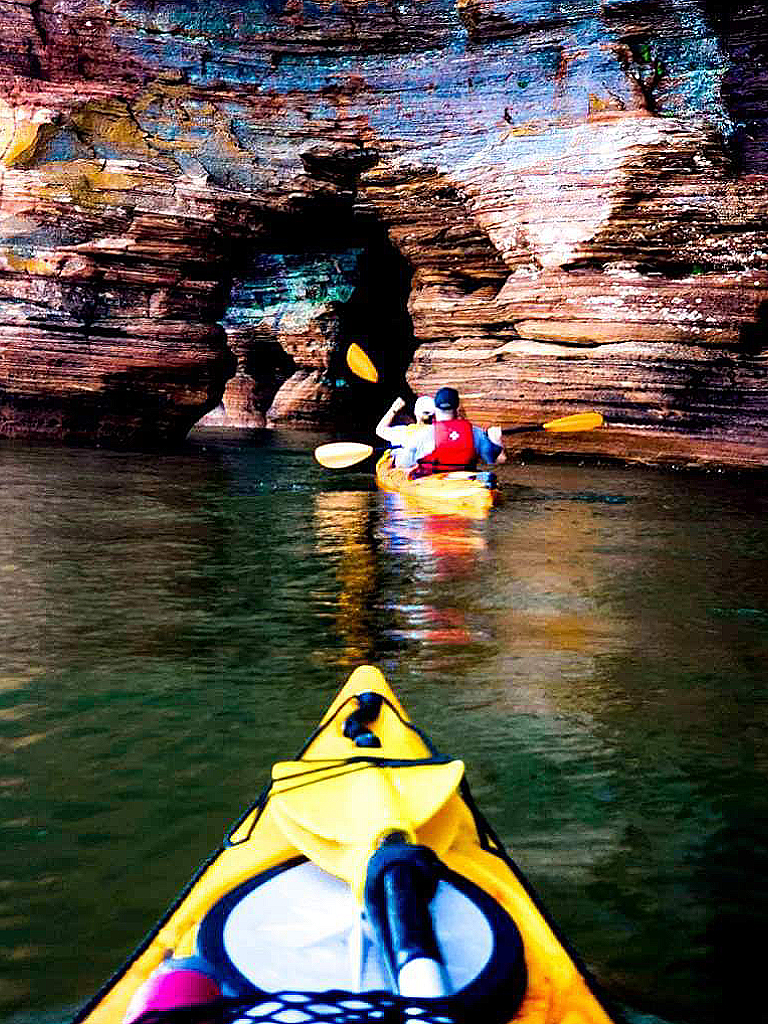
(452, 443)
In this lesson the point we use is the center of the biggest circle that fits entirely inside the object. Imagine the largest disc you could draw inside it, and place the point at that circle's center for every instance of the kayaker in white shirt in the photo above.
(406, 434)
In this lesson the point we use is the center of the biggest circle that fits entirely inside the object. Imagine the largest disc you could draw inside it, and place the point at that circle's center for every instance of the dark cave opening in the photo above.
(376, 317)
(338, 269)
(743, 34)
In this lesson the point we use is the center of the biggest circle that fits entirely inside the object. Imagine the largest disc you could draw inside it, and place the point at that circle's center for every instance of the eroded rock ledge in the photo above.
(555, 207)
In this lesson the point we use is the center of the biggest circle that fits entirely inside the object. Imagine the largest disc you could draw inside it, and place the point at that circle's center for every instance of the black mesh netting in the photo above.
(333, 1007)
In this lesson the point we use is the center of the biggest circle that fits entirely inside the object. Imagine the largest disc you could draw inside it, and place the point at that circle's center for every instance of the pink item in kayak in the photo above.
(173, 990)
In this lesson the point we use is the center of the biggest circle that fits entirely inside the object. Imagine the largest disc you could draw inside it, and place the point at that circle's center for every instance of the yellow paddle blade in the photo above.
(339, 454)
(360, 364)
(579, 421)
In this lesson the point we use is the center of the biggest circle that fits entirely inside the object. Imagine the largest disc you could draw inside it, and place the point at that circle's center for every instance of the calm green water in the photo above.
(596, 651)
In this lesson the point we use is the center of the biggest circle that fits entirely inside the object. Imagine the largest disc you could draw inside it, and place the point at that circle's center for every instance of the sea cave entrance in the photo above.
(302, 290)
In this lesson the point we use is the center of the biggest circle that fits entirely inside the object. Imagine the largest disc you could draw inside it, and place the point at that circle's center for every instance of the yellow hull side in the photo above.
(460, 493)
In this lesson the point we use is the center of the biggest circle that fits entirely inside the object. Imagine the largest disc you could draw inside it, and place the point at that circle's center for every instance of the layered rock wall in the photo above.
(556, 206)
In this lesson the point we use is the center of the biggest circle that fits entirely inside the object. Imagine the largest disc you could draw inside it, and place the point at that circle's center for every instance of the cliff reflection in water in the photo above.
(594, 651)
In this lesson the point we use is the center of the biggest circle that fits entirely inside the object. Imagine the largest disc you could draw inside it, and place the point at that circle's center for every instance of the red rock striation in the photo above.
(553, 206)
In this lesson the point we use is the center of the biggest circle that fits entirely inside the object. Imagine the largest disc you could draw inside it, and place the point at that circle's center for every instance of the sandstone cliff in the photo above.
(556, 206)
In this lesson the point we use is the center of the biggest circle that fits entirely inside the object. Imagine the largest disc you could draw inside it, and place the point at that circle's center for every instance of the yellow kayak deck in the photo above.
(464, 492)
(329, 809)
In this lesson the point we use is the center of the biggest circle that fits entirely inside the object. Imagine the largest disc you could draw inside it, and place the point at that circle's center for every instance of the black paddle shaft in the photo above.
(409, 922)
(524, 429)
(401, 881)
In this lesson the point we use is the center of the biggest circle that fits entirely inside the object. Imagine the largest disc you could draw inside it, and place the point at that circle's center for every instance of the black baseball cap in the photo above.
(447, 398)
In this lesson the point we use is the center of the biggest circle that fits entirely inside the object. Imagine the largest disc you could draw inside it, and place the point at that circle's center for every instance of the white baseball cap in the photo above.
(424, 406)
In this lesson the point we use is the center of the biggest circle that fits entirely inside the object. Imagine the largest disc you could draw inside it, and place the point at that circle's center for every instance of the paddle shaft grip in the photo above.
(409, 923)
(522, 430)
(399, 887)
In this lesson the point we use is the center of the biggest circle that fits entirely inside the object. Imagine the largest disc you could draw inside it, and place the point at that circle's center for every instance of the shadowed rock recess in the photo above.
(555, 206)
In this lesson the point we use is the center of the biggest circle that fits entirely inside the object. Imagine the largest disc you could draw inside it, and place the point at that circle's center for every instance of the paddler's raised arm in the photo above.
(385, 423)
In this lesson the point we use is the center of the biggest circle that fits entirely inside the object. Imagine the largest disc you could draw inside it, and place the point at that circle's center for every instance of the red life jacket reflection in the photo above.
(454, 447)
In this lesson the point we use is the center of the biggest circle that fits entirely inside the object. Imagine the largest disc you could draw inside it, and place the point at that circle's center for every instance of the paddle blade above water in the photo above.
(340, 454)
(579, 421)
(565, 424)
(360, 364)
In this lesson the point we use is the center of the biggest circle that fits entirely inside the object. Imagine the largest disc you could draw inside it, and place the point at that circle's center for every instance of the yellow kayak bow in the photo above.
(363, 879)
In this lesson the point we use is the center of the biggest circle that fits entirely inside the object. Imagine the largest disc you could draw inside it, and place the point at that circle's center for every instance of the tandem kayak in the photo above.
(472, 493)
(364, 885)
